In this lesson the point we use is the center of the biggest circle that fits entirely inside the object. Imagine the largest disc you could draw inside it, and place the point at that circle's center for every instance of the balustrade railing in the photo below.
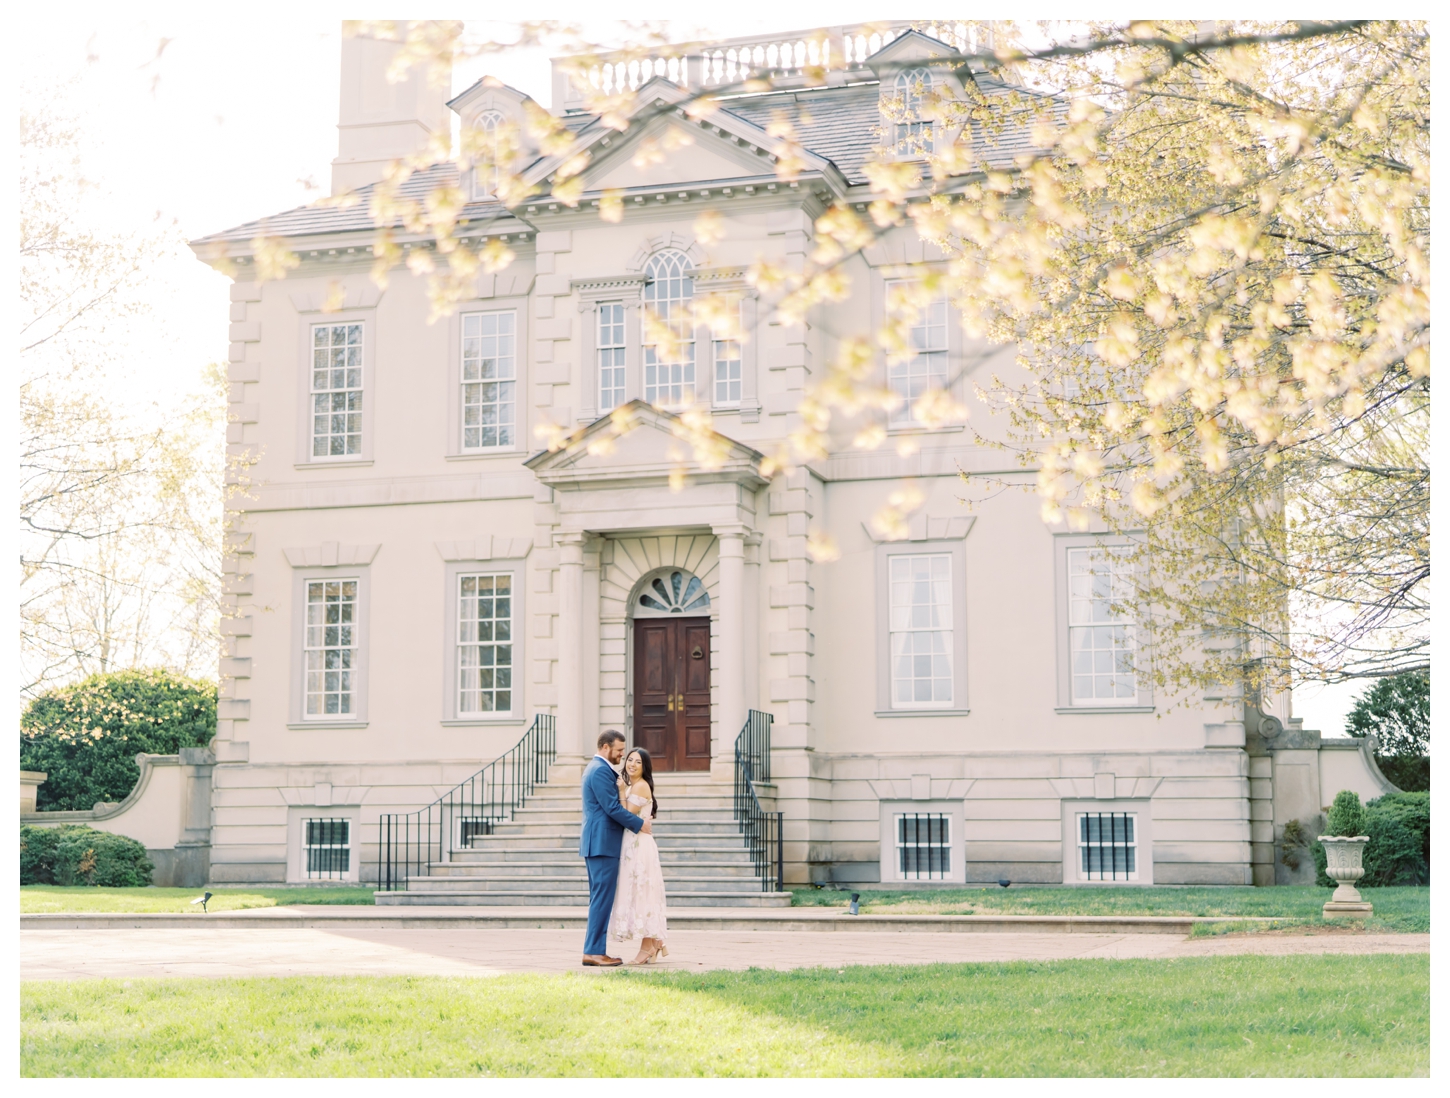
(780, 58)
(761, 829)
(409, 842)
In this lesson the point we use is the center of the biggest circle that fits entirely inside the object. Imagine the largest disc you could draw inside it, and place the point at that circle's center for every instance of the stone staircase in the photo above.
(534, 860)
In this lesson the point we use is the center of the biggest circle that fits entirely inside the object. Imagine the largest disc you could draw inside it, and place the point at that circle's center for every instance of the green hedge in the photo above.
(1410, 772)
(86, 736)
(74, 854)
(1398, 851)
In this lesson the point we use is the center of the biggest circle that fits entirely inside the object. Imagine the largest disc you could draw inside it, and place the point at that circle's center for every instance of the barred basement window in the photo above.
(327, 848)
(471, 828)
(923, 846)
(1107, 846)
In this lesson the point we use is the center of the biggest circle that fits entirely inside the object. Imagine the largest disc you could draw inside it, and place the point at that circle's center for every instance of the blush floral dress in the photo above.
(639, 898)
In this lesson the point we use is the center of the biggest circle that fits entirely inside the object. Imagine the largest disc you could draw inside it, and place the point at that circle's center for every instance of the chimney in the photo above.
(379, 122)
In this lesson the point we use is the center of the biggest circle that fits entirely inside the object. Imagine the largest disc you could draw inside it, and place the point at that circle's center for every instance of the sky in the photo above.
(193, 123)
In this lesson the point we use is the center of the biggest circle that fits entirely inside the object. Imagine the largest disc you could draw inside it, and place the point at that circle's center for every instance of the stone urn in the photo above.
(1345, 855)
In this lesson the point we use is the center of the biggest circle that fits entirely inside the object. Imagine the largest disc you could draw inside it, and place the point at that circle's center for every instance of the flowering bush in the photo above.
(86, 736)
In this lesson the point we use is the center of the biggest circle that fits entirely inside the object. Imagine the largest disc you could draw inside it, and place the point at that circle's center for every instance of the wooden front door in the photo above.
(672, 691)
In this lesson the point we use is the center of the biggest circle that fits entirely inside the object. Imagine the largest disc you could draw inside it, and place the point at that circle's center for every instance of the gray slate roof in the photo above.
(840, 124)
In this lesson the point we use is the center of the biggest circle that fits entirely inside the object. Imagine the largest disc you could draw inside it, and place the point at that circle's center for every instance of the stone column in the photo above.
(732, 636)
(571, 649)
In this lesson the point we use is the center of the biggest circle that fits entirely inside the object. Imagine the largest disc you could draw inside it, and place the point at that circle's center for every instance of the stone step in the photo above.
(575, 882)
(559, 828)
(516, 870)
(572, 898)
(527, 851)
(542, 815)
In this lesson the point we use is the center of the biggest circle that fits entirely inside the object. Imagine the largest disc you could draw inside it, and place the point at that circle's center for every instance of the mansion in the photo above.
(414, 578)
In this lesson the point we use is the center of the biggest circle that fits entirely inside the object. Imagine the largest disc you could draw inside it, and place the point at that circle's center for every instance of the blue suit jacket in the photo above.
(604, 817)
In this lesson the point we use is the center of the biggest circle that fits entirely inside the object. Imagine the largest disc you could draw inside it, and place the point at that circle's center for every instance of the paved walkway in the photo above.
(284, 951)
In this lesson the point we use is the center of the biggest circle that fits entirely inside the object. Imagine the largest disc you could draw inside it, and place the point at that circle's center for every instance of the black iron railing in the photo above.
(761, 829)
(408, 842)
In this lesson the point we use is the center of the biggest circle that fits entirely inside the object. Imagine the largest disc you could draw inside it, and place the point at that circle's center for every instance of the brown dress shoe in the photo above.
(601, 961)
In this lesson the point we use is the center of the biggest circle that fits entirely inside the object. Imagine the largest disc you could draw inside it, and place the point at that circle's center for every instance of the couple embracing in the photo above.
(626, 884)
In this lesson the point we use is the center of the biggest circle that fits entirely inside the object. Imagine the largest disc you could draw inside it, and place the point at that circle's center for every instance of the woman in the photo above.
(639, 899)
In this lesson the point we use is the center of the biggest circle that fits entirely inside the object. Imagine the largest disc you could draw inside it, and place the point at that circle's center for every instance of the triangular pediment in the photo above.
(663, 146)
(641, 445)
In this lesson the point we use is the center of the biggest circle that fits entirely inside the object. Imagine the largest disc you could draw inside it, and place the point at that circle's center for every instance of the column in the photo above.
(571, 649)
(731, 540)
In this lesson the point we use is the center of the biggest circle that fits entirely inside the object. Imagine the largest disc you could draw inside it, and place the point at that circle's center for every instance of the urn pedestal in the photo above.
(1345, 857)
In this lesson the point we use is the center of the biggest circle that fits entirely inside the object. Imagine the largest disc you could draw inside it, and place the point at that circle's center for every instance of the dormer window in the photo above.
(490, 151)
(913, 135)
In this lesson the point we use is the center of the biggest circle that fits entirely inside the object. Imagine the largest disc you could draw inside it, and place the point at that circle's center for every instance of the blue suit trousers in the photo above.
(603, 876)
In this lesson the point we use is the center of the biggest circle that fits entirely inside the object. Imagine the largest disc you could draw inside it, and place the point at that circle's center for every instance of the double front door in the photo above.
(672, 691)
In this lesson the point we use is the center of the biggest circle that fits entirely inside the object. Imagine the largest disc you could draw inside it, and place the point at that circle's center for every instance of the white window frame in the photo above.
(725, 353)
(297, 814)
(624, 290)
(485, 178)
(348, 847)
(480, 316)
(904, 573)
(1141, 811)
(886, 705)
(904, 417)
(310, 322)
(321, 637)
(689, 365)
(611, 323)
(454, 571)
(892, 808)
(463, 667)
(904, 86)
(1067, 702)
(298, 717)
(453, 433)
(898, 830)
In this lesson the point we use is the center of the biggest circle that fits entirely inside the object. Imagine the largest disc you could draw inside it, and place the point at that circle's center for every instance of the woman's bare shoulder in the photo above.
(640, 788)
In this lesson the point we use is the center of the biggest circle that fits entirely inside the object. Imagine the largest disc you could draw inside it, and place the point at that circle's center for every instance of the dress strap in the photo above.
(632, 799)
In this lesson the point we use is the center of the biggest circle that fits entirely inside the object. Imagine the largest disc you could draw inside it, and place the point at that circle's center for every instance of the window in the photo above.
(327, 848)
(729, 361)
(337, 390)
(1101, 641)
(921, 631)
(485, 643)
(490, 147)
(472, 828)
(924, 367)
(1107, 846)
(923, 846)
(913, 135)
(330, 648)
(611, 355)
(669, 353)
(488, 380)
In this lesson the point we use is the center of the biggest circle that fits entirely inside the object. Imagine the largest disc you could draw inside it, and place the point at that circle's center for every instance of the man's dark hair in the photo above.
(607, 738)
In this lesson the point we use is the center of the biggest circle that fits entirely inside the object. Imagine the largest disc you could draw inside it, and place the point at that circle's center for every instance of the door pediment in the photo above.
(640, 446)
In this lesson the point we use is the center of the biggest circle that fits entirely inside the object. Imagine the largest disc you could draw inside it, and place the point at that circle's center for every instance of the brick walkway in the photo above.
(283, 951)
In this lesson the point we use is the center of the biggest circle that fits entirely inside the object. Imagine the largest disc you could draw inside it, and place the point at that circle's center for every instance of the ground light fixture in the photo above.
(202, 899)
(855, 903)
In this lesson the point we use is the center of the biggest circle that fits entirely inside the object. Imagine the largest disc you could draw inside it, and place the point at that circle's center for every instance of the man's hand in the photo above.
(646, 830)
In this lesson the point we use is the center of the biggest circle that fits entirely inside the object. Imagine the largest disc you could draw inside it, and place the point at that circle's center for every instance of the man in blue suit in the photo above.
(604, 822)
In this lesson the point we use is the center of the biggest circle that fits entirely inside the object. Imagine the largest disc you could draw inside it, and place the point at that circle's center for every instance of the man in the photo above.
(604, 822)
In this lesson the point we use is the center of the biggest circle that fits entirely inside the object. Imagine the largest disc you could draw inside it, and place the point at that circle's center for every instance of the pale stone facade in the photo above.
(406, 507)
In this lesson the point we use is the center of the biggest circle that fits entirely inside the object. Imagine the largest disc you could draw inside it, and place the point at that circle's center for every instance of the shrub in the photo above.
(74, 854)
(1398, 851)
(1346, 814)
(1410, 772)
(86, 736)
(1396, 710)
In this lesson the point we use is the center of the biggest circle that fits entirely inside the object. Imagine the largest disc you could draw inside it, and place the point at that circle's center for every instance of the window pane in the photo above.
(920, 612)
(329, 647)
(1102, 639)
(669, 369)
(485, 649)
(926, 369)
(487, 379)
(337, 387)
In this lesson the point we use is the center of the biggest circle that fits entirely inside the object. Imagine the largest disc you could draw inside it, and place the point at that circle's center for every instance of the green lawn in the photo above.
(1397, 909)
(1207, 1016)
(53, 898)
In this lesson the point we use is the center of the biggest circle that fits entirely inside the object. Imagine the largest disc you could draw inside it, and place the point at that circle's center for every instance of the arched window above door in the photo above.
(673, 592)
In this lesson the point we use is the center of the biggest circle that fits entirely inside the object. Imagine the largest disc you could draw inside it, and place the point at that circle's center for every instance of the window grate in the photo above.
(471, 828)
(923, 846)
(327, 848)
(1107, 845)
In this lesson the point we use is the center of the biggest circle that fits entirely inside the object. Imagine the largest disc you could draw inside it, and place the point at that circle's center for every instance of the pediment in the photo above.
(641, 445)
(663, 146)
(911, 46)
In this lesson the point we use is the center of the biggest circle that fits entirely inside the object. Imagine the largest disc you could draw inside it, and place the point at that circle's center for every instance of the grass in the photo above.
(1405, 910)
(36, 899)
(1207, 1016)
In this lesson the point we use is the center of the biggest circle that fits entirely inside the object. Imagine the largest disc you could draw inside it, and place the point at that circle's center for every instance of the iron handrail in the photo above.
(408, 842)
(762, 830)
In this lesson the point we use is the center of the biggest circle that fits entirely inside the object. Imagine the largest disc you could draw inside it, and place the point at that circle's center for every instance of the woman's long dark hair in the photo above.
(647, 772)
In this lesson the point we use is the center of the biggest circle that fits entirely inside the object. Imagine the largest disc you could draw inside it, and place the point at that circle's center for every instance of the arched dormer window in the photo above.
(913, 135)
(669, 335)
(490, 151)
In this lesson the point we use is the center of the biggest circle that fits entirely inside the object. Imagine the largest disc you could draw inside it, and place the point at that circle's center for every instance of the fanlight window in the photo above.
(485, 175)
(669, 353)
(913, 134)
(675, 593)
